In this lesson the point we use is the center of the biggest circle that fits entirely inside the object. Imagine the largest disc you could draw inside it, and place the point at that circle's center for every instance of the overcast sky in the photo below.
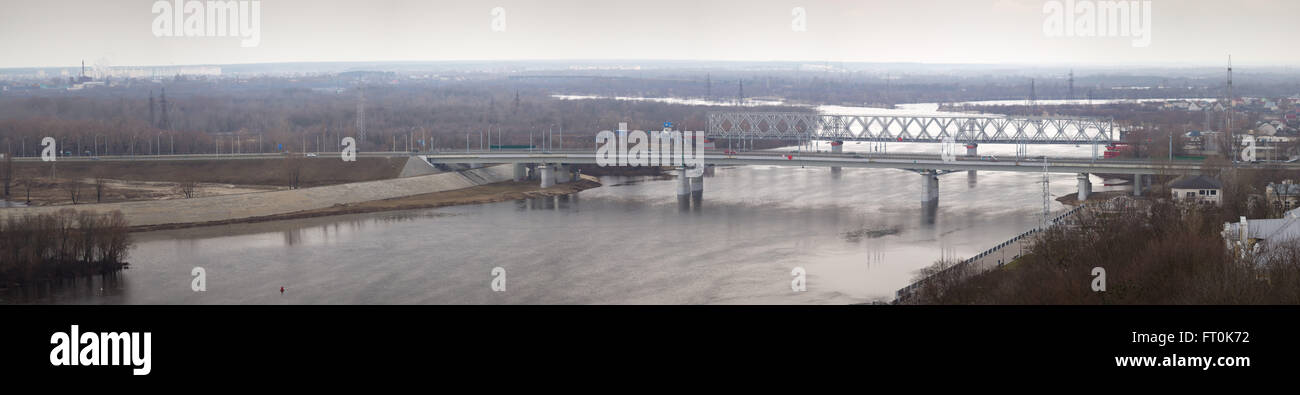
(120, 32)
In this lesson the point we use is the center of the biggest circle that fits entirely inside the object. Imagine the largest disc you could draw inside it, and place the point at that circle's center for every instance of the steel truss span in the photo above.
(909, 128)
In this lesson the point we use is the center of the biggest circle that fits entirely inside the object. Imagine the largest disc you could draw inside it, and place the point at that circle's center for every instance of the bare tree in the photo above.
(293, 170)
(100, 184)
(938, 281)
(7, 173)
(187, 188)
(26, 182)
(73, 188)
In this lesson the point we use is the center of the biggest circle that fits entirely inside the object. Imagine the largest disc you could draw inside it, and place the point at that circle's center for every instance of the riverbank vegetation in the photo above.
(1156, 253)
(67, 243)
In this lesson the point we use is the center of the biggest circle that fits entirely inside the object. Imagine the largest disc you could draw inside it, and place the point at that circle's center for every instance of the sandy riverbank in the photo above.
(340, 198)
(488, 193)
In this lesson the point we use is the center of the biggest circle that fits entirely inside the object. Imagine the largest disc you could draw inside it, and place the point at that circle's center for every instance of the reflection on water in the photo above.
(859, 236)
(100, 288)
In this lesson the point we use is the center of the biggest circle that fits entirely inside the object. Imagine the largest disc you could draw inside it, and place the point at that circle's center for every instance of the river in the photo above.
(858, 237)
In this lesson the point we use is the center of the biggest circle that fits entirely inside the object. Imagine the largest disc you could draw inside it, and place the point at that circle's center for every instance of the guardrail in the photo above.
(906, 292)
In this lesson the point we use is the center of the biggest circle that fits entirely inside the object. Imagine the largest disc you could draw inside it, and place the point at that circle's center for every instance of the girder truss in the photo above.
(908, 128)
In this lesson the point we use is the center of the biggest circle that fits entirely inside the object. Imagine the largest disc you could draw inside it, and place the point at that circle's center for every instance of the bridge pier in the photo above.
(548, 175)
(683, 190)
(562, 174)
(837, 147)
(972, 149)
(929, 186)
(521, 172)
(697, 189)
(1137, 185)
(1085, 187)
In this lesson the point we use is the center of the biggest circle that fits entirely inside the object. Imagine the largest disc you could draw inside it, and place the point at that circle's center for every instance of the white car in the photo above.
(311, 154)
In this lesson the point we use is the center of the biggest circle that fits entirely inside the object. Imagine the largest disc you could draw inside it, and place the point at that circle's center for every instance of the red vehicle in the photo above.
(1115, 150)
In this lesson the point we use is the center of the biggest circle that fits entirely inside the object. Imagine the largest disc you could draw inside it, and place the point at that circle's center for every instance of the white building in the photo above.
(1198, 189)
(1258, 235)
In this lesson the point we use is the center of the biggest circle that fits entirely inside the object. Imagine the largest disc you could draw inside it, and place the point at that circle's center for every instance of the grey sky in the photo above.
(1201, 32)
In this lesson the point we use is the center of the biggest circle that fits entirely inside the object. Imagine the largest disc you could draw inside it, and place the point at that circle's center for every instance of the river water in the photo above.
(858, 237)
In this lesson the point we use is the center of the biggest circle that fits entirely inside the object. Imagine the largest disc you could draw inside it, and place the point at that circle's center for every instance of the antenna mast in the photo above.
(1229, 106)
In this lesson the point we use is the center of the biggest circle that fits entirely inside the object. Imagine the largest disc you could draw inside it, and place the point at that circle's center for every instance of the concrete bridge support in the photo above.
(548, 175)
(563, 174)
(1085, 187)
(929, 186)
(683, 190)
(521, 172)
(697, 189)
(837, 147)
(1137, 184)
(972, 149)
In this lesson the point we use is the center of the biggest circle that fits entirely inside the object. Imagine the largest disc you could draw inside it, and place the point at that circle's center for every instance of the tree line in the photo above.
(66, 243)
(225, 118)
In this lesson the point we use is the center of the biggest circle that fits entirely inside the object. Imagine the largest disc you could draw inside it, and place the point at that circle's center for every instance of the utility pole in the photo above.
(1047, 193)
(1228, 108)
(165, 122)
(740, 95)
(1033, 97)
(708, 86)
(1071, 97)
(361, 113)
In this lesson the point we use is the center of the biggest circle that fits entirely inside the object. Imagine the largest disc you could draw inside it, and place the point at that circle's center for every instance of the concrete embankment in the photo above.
(993, 258)
(218, 209)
